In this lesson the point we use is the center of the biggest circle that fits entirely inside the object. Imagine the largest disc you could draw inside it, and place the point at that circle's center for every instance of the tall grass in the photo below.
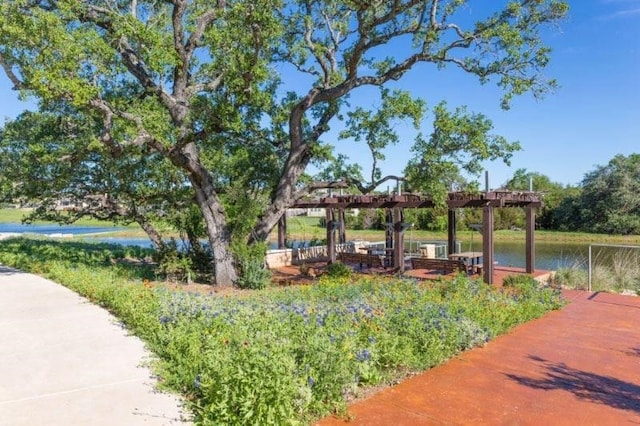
(614, 270)
(292, 355)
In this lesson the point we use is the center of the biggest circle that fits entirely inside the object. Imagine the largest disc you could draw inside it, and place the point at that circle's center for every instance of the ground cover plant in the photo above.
(286, 355)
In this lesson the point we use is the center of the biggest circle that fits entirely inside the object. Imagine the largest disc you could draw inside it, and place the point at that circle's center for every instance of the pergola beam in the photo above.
(454, 200)
(331, 236)
(451, 231)
(487, 244)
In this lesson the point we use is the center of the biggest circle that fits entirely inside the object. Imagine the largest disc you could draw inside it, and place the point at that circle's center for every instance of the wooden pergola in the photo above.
(336, 205)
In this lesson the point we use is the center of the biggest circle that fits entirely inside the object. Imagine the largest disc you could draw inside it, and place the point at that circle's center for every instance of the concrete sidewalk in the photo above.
(576, 366)
(64, 361)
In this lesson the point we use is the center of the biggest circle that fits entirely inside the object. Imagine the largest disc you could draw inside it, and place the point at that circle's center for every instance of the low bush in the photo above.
(292, 355)
(613, 269)
(612, 278)
(573, 278)
(173, 265)
(252, 270)
(339, 270)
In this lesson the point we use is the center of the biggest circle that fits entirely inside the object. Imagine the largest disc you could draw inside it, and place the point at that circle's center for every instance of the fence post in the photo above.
(589, 267)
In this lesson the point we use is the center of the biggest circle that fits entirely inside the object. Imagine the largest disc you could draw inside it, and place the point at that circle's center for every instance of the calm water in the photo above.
(550, 256)
(55, 229)
(138, 242)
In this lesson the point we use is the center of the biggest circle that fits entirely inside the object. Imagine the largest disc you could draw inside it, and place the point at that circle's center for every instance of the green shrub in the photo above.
(339, 270)
(252, 270)
(521, 284)
(253, 274)
(254, 382)
(574, 278)
(172, 264)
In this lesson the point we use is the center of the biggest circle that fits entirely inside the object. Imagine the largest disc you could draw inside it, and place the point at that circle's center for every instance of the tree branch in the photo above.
(117, 148)
(100, 17)
(314, 186)
(367, 189)
(13, 77)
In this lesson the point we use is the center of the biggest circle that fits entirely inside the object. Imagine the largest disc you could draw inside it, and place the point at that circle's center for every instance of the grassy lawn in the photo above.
(284, 355)
(12, 215)
(17, 215)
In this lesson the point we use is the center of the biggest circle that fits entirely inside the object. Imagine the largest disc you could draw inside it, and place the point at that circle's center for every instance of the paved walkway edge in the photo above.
(65, 361)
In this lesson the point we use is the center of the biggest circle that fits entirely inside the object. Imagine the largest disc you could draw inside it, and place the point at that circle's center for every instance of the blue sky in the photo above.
(594, 115)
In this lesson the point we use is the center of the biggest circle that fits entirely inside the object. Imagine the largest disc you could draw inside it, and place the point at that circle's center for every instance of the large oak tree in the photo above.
(199, 82)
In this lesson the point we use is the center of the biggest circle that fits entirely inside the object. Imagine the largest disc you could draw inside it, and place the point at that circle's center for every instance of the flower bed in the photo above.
(290, 355)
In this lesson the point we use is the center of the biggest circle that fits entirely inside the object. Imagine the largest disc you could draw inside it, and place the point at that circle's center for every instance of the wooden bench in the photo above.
(446, 266)
(371, 260)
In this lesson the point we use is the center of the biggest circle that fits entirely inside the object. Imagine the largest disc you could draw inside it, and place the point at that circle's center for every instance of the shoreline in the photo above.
(316, 232)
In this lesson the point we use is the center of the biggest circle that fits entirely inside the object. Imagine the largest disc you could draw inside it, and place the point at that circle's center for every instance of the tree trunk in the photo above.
(223, 265)
(284, 194)
(224, 272)
(152, 233)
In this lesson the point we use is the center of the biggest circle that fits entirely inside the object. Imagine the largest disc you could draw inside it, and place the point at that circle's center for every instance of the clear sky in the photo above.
(594, 115)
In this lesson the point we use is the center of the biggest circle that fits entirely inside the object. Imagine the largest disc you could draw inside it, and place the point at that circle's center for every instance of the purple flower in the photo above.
(363, 355)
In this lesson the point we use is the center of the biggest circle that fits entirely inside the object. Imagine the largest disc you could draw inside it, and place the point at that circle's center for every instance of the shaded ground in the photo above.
(580, 365)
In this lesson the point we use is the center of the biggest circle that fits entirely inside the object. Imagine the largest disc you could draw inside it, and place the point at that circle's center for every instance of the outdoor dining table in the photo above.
(381, 251)
(471, 259)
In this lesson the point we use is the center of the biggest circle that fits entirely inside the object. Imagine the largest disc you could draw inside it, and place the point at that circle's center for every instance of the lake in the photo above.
(54, 229)
(549, 255)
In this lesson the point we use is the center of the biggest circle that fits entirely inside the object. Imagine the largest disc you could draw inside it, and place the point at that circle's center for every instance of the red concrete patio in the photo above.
(576, 366)
(291, 274)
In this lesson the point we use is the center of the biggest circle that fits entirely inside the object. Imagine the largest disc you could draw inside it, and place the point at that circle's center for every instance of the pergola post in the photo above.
(388, 229)
(342, 233)
(451, 231)
(530, 251)
(398, 239)
(282, 231)
(331, 239)
(487, 244)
